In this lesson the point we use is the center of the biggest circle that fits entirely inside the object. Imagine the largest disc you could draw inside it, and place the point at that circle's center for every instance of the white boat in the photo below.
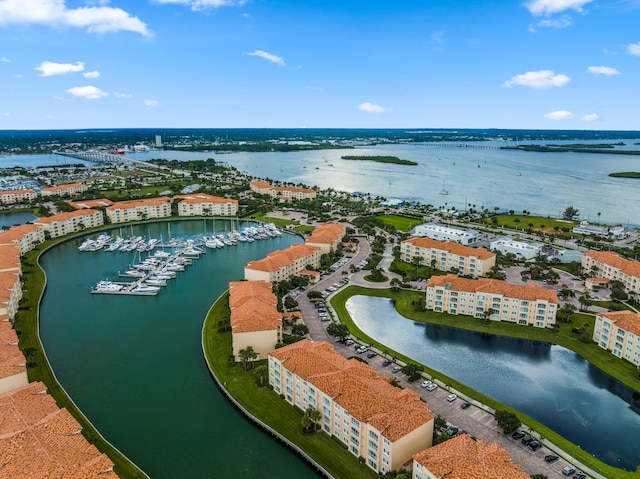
(108, 287)
(161, 254)
(155, 281)
(443, 192)
(145, 288)
(134, 273)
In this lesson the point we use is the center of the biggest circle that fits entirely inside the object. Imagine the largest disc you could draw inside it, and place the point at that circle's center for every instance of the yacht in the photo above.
(108, 287)
(143, 288)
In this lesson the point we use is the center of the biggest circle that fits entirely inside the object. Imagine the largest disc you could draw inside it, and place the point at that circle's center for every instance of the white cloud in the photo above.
(607, 71)
(54, 13)
(549, 7)
(48, 69)
(122, 95)
(151, 102)
(591, 117)
(89, 92)
(634, 49)
(93, 74)
(372, 108)
(198, 5)
(540, 79)
(5, 60)
(562, 22)
(560, 115)
(268, 56)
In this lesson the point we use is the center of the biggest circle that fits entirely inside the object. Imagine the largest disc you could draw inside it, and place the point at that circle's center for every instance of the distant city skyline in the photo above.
(538, 64)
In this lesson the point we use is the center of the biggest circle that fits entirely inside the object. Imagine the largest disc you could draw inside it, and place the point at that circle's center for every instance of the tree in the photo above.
(262, 376)
(584, 302)
(310, 420)
(487, 313)
(247, 355)
(338, 330)
(300, 330)
(566, 293)
(395, 284)
(508, 421)
(570, 213)
(314, 295)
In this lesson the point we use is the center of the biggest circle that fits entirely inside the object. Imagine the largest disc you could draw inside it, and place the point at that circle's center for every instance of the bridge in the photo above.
(474, 145)
(102, 157)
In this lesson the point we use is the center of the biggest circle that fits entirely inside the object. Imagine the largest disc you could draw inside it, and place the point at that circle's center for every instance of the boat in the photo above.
(155, 281)
(143, 288)
(134, 273)
(108, 287)
(443, 191)
(518, 174)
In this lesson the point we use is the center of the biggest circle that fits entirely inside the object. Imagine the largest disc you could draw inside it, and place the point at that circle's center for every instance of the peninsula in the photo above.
(380, 159)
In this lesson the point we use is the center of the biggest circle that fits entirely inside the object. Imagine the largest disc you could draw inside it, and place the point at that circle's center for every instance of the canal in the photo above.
(134, 365)
(551, 384)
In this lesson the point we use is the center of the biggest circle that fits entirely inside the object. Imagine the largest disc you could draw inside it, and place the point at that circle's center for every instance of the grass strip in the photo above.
(269, 407)
(562, 336)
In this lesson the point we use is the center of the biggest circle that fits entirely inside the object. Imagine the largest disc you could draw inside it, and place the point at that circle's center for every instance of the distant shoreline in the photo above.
(626, 174)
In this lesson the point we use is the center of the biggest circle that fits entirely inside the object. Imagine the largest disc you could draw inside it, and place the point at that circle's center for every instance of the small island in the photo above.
(380, 159)
(626, 174)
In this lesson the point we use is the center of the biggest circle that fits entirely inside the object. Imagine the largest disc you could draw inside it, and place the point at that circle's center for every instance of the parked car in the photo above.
(580, 475)
(526, 439)
(372, 355)
(386, 362)
(348, 342)
(425, 383)
(465, 405)
(567, 471)
(551, 458)
(396, 369)
(517, 435)
(432, 387)
(362, 349)
(535, 445)
(452, 397)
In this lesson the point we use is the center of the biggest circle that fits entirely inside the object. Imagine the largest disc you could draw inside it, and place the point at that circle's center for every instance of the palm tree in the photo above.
(487, 313)
(247, 355)
(310, 420)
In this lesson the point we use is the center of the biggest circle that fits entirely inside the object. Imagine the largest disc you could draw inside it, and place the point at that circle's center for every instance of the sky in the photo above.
(537, 64)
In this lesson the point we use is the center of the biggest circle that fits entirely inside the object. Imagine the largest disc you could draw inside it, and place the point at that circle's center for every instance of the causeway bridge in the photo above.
(102, 157)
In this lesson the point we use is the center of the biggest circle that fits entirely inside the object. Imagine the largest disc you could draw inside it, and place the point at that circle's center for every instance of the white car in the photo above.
(432, 387)
(425, 384)
(451, 397)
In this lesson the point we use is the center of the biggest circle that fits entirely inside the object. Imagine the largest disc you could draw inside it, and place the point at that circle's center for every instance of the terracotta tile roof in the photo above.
(17, 192)
(9, 256)
(197, 198)
(357, 387)
(65, 216)
(293, 189)
(327, 233)
(91, 203)
(11, 358)
(463, 458)
(627, 320)
(529, 292)
(63, 187)
(260, 184)
(17, 232)
(125, 205)
(451, 247)
(253, 307)
(282, 258)
(631, 268)
(598, 280)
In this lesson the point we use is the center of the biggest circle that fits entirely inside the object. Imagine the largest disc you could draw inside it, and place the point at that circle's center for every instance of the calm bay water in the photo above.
(549, 383)
(17, 218)
(134, 365)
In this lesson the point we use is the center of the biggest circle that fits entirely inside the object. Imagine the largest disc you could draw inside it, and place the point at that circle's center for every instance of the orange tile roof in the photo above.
(327, 233)
(125, 205)
(627, 320)
(65, 216)
(282, 258)
(63, 187)
(11, 358)
(17, 232)
(357, 387)
(451, 247)
(631, 268)
(260, 184)
(197, 198)
(9, 256)
(529, 292)
(253, 307)
(293, 189)
(17, 192)
(91, 203)
(464, 458)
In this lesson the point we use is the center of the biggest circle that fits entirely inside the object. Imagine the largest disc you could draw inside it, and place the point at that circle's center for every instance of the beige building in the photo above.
(255, 319)
(462, 457)
(327, 237)
(359, 407)
(448, 256)
(13, 368)
(89, 204)
(17, 196)
(136, 210)
(64, 190)
(283, 264)
(71, 222)
(201, 204)
(10, 285)
(26, 237)
(283, 193)
(527, 305)
(605, 264)
(619, 333)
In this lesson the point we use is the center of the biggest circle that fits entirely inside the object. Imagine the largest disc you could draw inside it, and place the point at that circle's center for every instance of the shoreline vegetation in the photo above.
(380, 159)
(626, 174)
(572, 148)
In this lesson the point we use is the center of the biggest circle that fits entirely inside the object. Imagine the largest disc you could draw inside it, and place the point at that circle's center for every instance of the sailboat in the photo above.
(443, 192)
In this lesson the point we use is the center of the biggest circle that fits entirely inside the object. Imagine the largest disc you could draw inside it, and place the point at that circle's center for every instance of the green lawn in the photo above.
(283, 223)
(266, 405)
(523, 221)
(563, 336)
(401, 223)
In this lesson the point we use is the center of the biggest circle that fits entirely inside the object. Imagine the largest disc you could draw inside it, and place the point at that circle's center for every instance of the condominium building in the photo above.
(255, 319)
(376, 421)
(201, 204)
(135, 210)
(71, 222)
(609, 265)
(13, 368)
(584, 228)
(448, 256)
(619, 333)
(446, 233)
(10, 286)
(462, 457)
(284, 193)
(89, 204)
(26, 237)
(327, 237)
(17, 196)
(520, 249)
(528, 305)
(284, 264)
(64, 190)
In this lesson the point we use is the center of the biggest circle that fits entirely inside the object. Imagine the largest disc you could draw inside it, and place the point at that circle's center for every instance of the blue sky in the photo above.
(549, 64)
